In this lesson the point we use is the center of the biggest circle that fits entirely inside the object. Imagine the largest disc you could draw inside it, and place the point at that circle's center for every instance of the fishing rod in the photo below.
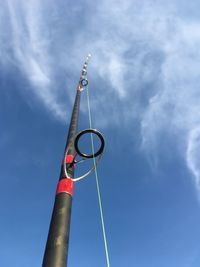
(56, 250)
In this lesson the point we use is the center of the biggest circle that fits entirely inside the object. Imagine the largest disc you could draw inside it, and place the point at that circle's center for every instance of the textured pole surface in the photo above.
(56, 250)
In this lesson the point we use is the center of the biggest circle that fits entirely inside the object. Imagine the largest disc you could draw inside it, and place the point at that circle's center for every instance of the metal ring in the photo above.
(92, 131)
(84, 72)
(84, 82)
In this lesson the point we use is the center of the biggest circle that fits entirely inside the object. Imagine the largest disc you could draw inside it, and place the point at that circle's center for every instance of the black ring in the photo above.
(84, 82)
(89, 156)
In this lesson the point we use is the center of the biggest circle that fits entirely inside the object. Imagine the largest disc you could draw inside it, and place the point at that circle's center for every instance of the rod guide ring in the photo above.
(83, 82)
(91, 131)
(84, 72)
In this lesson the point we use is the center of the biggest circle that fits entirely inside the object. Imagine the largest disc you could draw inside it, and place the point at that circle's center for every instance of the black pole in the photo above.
(56, 250)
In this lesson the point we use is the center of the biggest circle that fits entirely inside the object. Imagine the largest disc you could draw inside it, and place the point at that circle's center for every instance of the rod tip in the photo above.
(88, 57)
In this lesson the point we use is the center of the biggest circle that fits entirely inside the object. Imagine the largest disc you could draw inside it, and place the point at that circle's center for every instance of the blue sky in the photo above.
(144, 87)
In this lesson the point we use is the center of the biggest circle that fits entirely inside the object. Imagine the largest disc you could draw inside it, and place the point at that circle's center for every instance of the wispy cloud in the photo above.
(175, 106)
(146, 59)
(193, 154)
(25, 32)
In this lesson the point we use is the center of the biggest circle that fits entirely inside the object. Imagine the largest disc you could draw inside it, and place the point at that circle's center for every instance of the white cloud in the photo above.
(30, 46)
(193, 154)
(145, 59)
(175, 107)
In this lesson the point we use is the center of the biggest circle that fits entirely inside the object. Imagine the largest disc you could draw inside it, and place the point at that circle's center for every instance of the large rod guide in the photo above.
(56, 250)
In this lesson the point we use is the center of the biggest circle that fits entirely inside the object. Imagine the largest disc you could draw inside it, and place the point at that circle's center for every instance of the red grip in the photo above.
(65, 186)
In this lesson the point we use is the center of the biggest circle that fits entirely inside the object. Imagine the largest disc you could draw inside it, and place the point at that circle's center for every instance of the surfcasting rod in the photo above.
(56, 250)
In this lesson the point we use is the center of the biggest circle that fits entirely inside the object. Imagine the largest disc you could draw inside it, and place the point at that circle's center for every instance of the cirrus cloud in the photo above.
(146, 59)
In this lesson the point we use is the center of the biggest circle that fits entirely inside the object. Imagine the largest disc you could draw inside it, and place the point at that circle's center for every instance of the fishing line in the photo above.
(97, 182)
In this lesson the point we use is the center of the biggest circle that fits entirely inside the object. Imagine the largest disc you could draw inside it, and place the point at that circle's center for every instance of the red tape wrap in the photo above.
(69, 159)
(65, 186)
